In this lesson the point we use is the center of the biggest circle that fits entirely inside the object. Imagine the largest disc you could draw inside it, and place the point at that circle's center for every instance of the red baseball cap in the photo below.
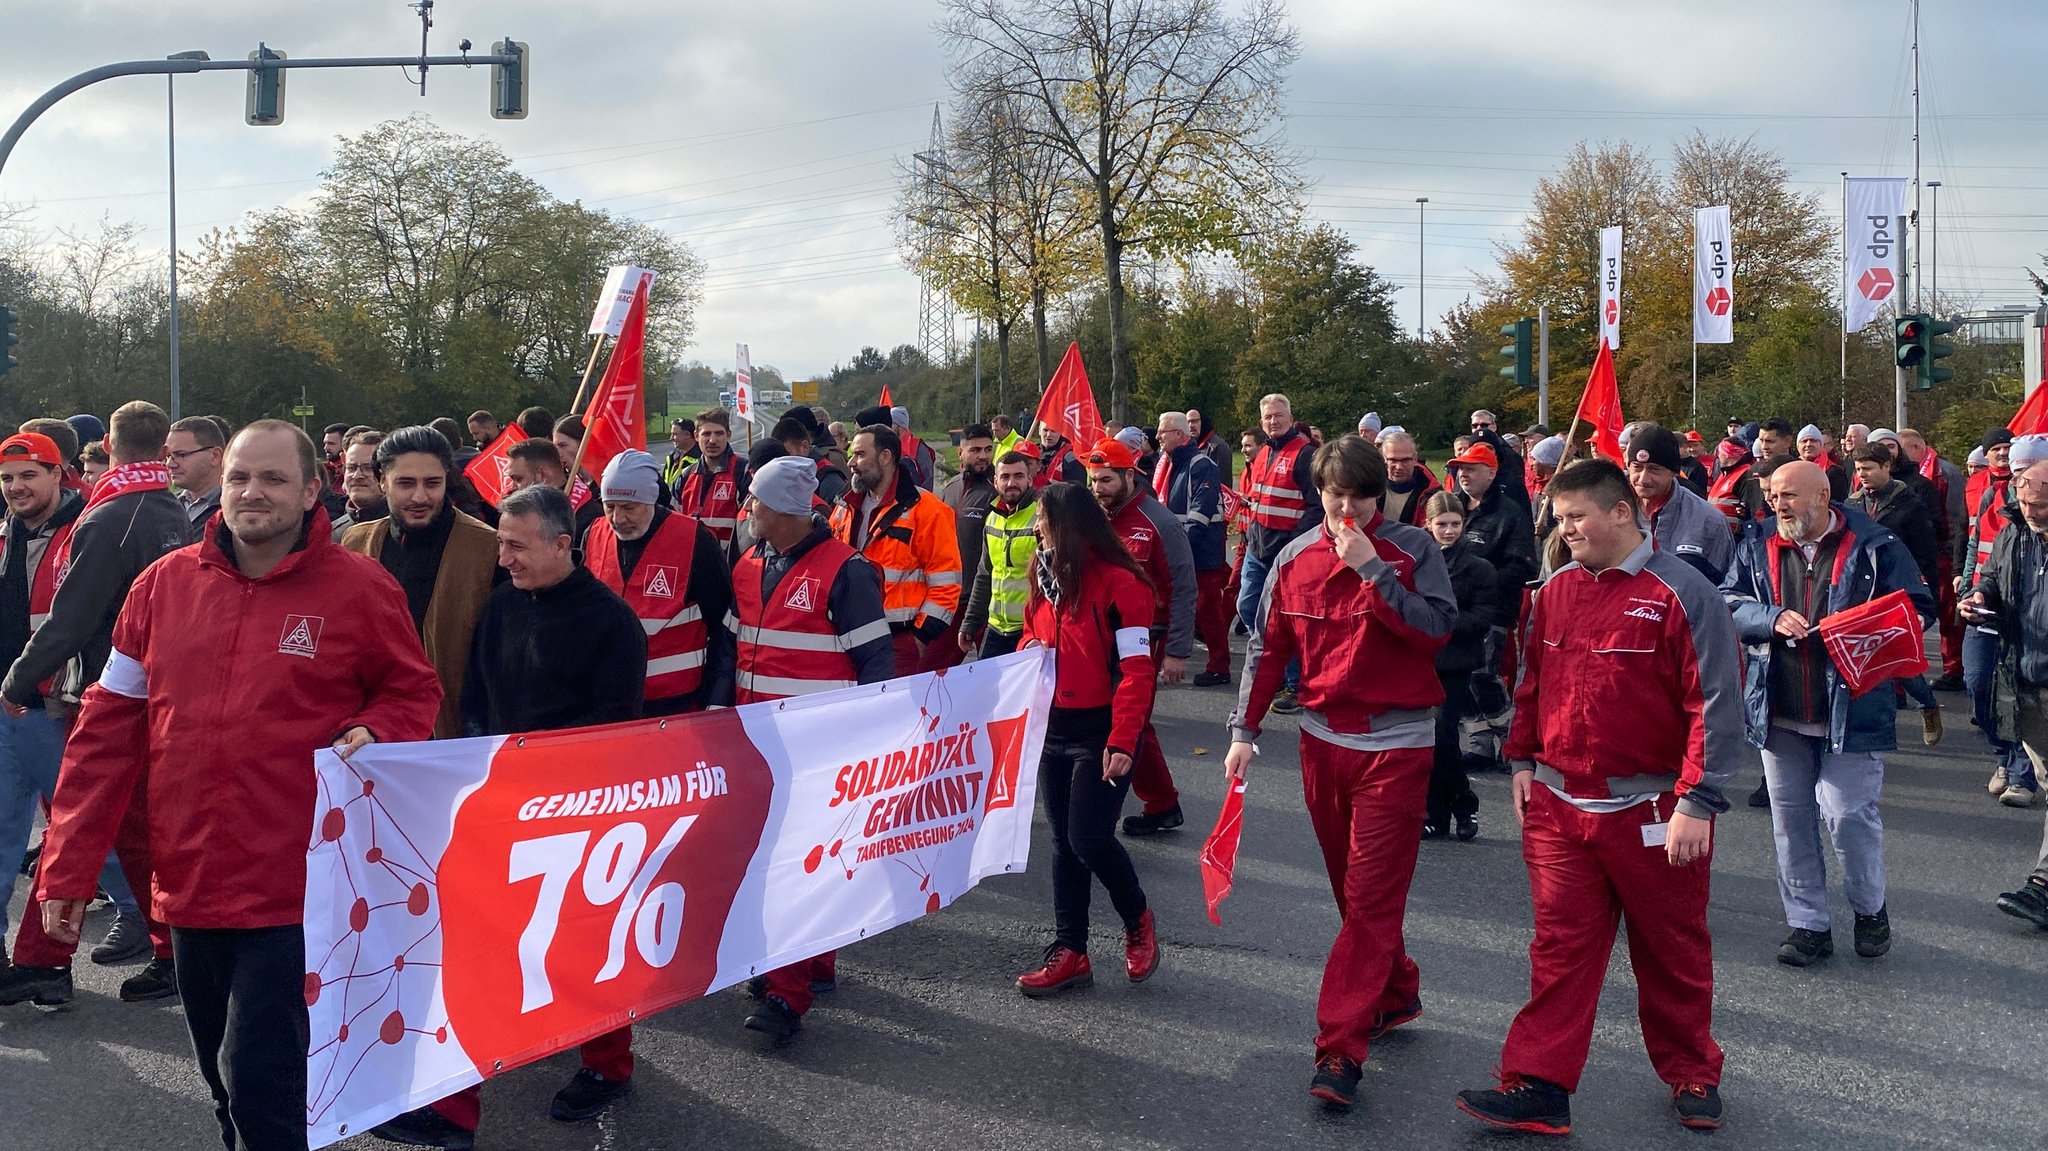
(1028, 448)
(1476, 454)
(33, 446)
(1109, 452)
(1695, 438)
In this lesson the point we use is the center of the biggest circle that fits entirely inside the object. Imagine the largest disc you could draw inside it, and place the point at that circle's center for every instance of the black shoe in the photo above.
(1761, 797)
(1948, 683)
(157, 981)
(775, 1019)
(425, 1127)
(29, 860)
(127, 939)
(1153, 821)
(1286, 702)
(1237, 628)
(824, 986)
(43, 986)
(1805, 948)
(1530, 1105)
(1468, 828)
(1873, 934)
(1435, 831)
(1697, 1106)
(1381, 1024)
(756, 987)
(587, 1095)
(2030, 903)
(1335, 1082)
(1211, 678)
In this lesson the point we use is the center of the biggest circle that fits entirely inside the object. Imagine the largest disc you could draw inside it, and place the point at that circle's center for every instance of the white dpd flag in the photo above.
(1610, 285)
(1713, 277)
(1870, 244)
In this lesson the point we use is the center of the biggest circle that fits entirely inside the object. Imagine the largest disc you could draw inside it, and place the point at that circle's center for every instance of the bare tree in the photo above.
(1168, 110)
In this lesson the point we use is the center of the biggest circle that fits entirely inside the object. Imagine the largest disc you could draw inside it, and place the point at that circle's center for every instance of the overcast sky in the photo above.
(766, 134)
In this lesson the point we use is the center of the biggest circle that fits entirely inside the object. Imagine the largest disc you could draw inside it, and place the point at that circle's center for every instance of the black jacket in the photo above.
(1900, 512)
(571, 655)
(1500, 529)
(1481, 608)
(111, 545)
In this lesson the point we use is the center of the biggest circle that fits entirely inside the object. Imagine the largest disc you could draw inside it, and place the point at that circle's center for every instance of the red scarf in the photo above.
(146, 476)
(1162, 476)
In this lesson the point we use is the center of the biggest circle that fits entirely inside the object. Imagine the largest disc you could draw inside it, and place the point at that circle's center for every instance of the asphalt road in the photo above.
(926, 1045)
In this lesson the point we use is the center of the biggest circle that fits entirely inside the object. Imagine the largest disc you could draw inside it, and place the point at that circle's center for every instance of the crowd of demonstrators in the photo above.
(1280, 488)
(1187, 482)
(971, 493)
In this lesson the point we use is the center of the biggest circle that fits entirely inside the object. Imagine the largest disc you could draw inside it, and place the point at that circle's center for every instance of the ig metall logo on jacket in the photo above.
(301, 635)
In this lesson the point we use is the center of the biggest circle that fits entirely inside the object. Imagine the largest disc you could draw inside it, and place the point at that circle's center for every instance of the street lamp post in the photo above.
(1934, 251)
(171, 135)
(1421, 313)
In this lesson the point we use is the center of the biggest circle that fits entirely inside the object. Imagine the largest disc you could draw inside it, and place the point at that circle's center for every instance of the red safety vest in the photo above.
(1721, 493)
(1989, 519)
(677, 639)
(1276, 503)
(713, 497)
(788, 645)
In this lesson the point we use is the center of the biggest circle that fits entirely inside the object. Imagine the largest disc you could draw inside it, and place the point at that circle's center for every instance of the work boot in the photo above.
(1152, 821)
(1287, 701)
(1064, 968)
(159, 980)
(1930, 725)
(425, 1127)
(1141, 949)
(43, 986)
(1873, 934)
(127, 939)
(587, 1095)
(1948, 683)
(775, 1019)
(1805, 948)
(2030, 903)
(1335, 1082)
(1468, 827)
(1522, 1104)
(1697, 1106)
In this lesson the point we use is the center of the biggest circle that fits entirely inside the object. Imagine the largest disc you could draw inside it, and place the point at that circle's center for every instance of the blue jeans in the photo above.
(30, 750)
(1916, 689)
(1811, 785)
(1252, 585)
(1980, 666)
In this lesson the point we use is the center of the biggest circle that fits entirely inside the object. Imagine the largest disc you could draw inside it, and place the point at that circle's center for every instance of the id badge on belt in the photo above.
(1655, 831)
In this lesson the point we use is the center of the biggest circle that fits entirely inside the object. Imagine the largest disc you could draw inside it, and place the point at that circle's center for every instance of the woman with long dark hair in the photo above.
(1092, 604)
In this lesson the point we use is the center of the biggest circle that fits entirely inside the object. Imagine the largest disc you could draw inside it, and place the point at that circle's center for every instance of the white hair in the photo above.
(1484, 412)
(1174, 421)
(1389, 439)
(1275, 398)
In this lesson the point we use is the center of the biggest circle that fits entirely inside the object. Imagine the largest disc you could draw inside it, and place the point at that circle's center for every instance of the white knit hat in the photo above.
(1811, 432)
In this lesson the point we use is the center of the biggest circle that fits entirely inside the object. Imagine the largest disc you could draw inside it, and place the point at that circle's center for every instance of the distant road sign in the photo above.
(302, 409)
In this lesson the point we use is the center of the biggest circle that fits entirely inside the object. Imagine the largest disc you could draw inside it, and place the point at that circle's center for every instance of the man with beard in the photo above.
(969, 494)
(994, 616)
(670, 571)
(1812, 446)
(908, 534)
(194, 452)
(445, 561)
(1822, 748)
(535, 461)
(1185, 480)
(358, 481)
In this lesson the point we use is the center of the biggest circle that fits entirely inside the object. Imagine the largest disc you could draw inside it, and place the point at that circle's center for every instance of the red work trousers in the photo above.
(1367, 809)
(610, 1055)
(1951, 621)
(1213, 608)
(1151, 779)
(792, 984)
(33, 947)
(1589, 874)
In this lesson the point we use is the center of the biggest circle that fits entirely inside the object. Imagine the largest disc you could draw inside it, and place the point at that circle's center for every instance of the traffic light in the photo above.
(7, 340)
(1933, 350)
(265, 104)
(508, 81)
(1908, 346)
(1520, 353)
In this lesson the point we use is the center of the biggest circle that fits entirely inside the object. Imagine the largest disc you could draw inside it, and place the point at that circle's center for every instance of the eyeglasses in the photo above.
(188, 454)
(358, 469)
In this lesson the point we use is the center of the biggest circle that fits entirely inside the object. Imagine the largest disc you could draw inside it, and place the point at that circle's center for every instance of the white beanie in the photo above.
(1977, 459)
(1369, 422)
(1393, 430)
(785, 484)
(1132, 437)
(1885, 434)
(1810, 432)
(2028, 451)
(1549, 453)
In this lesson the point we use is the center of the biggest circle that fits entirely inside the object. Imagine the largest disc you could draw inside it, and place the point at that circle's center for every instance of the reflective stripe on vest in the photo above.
(676, 636)
(788, 643)
(1011, 544)
(713, 497)
(1276, 503)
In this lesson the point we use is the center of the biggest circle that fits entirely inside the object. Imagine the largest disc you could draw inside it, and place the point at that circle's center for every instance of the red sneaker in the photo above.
(1064, 968)
(1141, 949)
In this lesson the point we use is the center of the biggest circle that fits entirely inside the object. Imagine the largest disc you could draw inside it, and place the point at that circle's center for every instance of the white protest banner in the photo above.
(617, 298)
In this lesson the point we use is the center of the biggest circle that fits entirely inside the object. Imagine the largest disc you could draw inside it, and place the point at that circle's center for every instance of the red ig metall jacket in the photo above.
(1102, 645)
(221, 688)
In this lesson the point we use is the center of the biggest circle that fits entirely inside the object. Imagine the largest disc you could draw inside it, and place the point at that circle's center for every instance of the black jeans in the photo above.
(1083, 811)
(245, 1005)
(1450, 790)
(995, 643)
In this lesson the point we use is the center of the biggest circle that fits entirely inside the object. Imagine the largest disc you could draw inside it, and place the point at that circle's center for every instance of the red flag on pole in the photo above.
(1600, 405)
(1876, 642)
(885, 401)
(2032, 418)
(488, 472)
(1219, 854)
(617, 419)
(1069, 404)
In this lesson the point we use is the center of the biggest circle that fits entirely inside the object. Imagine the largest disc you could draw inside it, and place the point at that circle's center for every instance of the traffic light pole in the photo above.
(1902, 377)
(1543, 364)
(181, 67)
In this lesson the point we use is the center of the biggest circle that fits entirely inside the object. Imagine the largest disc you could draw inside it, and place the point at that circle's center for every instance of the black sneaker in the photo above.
(1435, 831)
(775, 1019)
(1335, 1082)
(1383, 1023)
(1468, 828)
(1286, 702)
(1697, 1106)
(1211, 678)
(159, 980)
(587, 1095)
(43, 986)
(1948, 683)
(1761, 797)
(756, 987)
(1873, 934)
(1530, 1105)
(1153, 821)
(824, 986)
(2030, 903)
(425, 1127)
(1805, 948)
(126, 940)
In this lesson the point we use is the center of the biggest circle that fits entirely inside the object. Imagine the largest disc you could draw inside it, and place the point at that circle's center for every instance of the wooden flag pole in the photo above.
(588, 369)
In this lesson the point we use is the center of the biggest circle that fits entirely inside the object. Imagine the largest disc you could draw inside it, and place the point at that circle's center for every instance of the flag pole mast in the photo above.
(576, 405)
(1843, 276)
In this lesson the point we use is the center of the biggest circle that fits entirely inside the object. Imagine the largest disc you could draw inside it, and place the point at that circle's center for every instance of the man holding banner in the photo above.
(302, 645)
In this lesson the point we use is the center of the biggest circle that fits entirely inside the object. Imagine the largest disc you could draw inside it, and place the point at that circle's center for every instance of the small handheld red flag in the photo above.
(1600, 405)
(617, 418)
(1219, 854)
(1069, 404)
(488, 472)
(1876, 642)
